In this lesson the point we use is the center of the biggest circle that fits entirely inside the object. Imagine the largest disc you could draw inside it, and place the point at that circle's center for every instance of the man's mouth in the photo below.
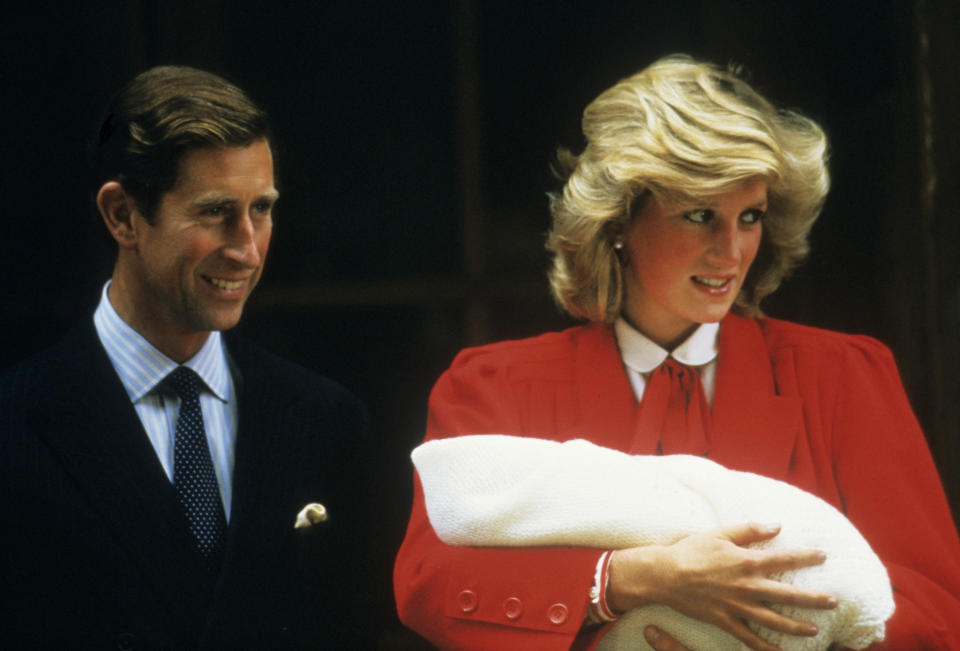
(223, 283)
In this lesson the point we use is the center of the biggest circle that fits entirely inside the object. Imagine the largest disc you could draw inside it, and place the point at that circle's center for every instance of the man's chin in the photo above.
(218, 321)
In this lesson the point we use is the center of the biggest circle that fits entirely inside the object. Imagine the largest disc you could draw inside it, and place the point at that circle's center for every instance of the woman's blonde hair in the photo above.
(680, 131)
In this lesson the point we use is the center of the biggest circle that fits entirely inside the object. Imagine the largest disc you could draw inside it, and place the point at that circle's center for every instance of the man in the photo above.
(153, 468)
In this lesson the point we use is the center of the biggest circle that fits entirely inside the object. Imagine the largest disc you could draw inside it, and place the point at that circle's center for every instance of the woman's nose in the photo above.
(725, 245)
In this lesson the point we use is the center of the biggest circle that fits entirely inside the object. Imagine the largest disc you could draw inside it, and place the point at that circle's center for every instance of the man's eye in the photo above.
(214, 211)
(698, 216)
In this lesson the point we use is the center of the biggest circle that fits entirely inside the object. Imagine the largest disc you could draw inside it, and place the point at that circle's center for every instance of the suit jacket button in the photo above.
(513, 608)
(468, 601)
(558, 614)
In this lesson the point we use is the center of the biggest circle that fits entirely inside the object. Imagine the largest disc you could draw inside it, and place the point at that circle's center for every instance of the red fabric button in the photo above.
(513, 608)
(558, 614)
(468, 601)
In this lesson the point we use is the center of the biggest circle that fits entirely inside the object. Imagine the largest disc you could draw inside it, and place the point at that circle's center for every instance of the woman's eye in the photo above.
(752, 216)
(698, 216)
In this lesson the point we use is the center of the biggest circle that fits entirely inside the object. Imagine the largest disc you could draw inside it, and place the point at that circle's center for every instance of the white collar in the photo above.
(142, 367)
(643, 355)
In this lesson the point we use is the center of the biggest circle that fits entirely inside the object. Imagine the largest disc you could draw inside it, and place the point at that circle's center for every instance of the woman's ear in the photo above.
(117, 208)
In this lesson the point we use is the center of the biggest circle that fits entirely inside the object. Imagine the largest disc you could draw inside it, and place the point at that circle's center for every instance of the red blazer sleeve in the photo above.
(891, 492)
(486, 598)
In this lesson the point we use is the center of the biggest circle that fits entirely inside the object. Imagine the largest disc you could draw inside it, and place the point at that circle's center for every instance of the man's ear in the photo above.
(117, 209)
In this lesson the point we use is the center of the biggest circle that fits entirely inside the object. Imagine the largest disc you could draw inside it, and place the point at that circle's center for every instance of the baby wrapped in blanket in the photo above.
(506, 491)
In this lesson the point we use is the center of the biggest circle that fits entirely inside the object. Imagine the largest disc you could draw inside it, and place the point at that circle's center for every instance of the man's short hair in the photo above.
(162, 114)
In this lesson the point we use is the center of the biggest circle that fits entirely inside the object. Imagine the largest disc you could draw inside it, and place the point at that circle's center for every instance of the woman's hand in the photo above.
(660, 641)
(713, 577)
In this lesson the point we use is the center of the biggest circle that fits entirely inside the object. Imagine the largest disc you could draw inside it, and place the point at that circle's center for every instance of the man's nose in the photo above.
(242, 242)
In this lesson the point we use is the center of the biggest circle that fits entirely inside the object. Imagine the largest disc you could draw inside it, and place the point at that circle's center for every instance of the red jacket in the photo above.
(822, 410)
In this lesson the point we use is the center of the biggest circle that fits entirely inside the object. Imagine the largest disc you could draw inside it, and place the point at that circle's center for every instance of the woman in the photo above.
(691, 202)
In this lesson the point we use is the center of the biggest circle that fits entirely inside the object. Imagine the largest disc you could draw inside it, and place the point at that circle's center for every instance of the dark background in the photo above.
(414, 144)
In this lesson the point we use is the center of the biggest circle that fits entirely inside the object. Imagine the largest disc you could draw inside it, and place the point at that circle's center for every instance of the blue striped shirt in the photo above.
(142, 367)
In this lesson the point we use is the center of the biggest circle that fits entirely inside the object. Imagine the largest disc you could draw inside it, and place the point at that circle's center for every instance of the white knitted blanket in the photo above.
(507, 491)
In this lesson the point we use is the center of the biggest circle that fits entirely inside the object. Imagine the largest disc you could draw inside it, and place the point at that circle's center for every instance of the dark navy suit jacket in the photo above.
(97, 553)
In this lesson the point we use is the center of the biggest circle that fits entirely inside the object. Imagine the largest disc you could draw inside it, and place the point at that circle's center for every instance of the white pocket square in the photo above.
(310, 515)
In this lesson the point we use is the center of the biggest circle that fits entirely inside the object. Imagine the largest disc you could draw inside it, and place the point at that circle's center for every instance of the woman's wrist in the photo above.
(635, 576)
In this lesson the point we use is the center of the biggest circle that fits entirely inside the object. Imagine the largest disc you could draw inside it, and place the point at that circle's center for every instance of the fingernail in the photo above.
(772, 526)
(832, 602)
(653, 634)
(812, 629)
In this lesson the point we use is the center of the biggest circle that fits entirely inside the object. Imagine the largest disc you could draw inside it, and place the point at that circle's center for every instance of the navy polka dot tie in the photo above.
(193, 474)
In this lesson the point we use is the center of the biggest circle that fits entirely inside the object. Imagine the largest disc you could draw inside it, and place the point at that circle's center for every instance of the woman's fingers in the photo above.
(757, 610)
(749, 532)
(661, 641)
(774, 621)
(770, 591)
(770, 561)
(739, 629)
(716, 577)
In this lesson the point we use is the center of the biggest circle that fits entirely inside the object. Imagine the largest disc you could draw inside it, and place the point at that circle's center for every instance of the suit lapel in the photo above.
(260, 532)
(87, 419)
(264, 413)
(754, 428)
